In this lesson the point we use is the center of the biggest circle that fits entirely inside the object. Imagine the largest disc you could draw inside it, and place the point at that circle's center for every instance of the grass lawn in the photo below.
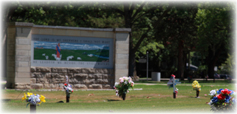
(154, 97)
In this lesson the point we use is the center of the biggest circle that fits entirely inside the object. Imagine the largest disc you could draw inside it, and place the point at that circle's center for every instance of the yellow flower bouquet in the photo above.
(196, 85)
(33, 99)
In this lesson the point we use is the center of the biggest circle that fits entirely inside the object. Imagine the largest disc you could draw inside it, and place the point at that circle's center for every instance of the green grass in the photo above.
(155, 97)
(76, 53)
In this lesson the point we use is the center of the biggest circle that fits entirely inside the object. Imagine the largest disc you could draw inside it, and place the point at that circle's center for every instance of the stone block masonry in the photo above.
(79, 78)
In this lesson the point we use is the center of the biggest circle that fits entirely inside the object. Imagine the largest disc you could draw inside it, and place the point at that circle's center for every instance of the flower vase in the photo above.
(67, 97)
(32, 108)
(124, 96)
(197, 93)
(174, 95)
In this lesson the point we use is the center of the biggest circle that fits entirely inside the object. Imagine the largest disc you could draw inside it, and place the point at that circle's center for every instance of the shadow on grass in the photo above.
(60, 102)
(6, 100)
(113, 100)
(193, 97)
(149, 81)
(209, 81)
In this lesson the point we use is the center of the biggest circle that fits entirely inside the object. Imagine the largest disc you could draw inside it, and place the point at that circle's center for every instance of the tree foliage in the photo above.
(214, 33)
(178, 33)
(169, 32)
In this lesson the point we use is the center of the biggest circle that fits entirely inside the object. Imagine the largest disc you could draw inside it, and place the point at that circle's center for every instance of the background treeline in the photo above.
(200, 33)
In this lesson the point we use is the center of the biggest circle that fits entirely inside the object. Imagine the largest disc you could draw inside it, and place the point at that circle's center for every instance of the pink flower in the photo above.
(121, 80)
(205, 94)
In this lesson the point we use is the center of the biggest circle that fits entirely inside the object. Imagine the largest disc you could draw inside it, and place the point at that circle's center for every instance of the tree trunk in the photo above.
(180, 61)
(212, 58)
(210, 63)
(210, 71)
(131, 61)
(188, 60)
(128, 24)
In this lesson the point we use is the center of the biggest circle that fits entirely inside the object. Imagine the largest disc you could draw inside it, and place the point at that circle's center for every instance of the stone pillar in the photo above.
(121, 52)
(10, 57)
(23, 52)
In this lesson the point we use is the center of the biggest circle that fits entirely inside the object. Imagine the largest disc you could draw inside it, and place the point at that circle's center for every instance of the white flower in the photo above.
(129, 79)
(116, 93)
(37, 98)
(210, 103)
(33, 99)
(176, 89)
(125, 82)
(212, 92)
(68, 88)
(116, 83)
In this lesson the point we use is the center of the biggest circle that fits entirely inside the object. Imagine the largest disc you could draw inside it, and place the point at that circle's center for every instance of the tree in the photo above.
(137, 16)
(178, 33)
(214, 32)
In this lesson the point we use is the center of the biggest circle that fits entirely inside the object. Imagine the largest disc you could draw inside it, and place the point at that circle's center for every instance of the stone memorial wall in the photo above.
(28, 68)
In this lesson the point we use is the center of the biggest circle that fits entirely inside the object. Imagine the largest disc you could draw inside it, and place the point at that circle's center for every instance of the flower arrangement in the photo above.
(196, 85)
(176, 90)
(222, 100)
(33, 99)
(68, 88)
(125, 83)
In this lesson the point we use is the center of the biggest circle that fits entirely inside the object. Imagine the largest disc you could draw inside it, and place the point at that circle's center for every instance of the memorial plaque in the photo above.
(68, 51)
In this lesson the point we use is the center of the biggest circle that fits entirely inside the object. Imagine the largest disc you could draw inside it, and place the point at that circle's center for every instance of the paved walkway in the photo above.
(167, 79)
(149, 79)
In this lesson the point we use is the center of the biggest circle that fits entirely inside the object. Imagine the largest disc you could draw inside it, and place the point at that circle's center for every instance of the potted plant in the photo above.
(123, 86)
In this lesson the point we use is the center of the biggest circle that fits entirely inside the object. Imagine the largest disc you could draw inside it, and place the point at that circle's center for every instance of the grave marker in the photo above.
(171, 83)
(68, 89)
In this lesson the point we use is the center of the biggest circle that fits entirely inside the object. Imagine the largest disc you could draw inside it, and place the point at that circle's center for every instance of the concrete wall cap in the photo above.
(122, 29)
(24, 24)
(74, 28)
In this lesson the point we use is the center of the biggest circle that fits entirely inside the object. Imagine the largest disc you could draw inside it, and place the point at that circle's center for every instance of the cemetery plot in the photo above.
(152, 98)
